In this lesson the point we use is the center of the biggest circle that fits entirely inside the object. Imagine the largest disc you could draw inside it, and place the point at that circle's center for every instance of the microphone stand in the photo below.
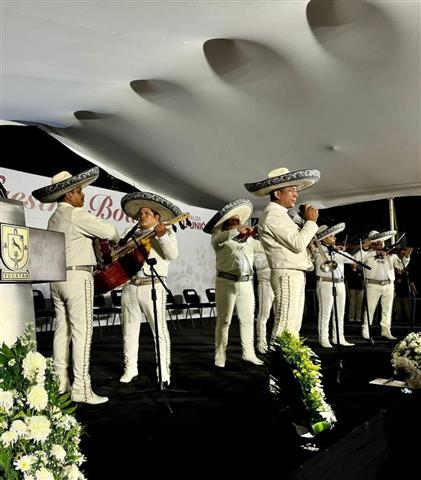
(340, 365)
(162, 388)
(411, 309)
(363, 266)
(365, 300)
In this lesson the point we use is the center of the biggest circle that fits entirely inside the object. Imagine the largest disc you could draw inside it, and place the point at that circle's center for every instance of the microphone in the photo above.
(301, 209)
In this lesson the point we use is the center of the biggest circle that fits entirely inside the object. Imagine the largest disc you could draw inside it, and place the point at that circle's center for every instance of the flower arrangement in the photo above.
(39, 436)
(295, 374)
(406, 359)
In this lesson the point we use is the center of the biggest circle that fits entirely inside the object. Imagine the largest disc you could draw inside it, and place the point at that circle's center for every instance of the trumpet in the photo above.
(327, 265)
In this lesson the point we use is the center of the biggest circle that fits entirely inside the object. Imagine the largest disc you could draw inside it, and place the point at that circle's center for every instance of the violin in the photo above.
(250, 232)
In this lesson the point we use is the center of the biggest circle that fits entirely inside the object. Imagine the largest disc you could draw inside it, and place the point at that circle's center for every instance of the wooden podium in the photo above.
(27, 256)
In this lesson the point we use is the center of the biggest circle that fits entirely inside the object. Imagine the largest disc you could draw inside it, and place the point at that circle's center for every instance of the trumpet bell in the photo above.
(328, 266)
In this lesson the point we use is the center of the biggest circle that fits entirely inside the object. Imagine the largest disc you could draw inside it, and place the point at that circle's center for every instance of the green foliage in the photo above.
(305, 366)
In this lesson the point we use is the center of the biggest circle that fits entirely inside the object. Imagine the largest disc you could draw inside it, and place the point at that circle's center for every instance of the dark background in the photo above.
(31, 150)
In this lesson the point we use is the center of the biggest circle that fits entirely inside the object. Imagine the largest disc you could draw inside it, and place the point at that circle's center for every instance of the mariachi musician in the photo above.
(380, 279)
(329, 268)
(73, 299)
(285, 244)
(151, 211)
(234, 248)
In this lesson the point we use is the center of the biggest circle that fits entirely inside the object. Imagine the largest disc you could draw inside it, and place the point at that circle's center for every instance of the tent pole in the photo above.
(392, 218)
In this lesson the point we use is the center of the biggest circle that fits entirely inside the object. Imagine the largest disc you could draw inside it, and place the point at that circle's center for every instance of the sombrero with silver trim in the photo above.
(282, 177)
(376, 236)
(241, 207)
(134, 201)
(324, 231)
(64, 182)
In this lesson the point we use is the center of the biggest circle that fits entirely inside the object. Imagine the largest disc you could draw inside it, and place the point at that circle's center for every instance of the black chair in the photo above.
(175, 305)
(210, 294)
(44, 316)
(116, 301)
(101, 310)
(194, 304)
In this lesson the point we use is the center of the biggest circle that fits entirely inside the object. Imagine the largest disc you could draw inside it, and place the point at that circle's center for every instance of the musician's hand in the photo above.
(160, 230)
(366, 244)
(408, 251)
(311, 213)
(244, 229)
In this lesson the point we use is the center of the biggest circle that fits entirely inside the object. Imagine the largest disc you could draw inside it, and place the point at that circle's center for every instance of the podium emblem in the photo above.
(15, 252)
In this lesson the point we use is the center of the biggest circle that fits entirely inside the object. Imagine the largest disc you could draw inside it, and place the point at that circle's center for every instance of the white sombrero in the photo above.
(134, 201)
(324, 231)
(282, 177)
(64, 182)
(241, 207)
(376, 236)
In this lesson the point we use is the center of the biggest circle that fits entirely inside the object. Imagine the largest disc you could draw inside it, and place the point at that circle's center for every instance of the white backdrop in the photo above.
(195, 267)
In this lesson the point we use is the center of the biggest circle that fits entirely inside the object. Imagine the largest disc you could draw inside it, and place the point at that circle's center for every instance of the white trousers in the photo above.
(288, 287)
(326, 310)
(73, 304)
(384, 293)
(136, 300)
(230, 294)
(355, 304)
(265, 295)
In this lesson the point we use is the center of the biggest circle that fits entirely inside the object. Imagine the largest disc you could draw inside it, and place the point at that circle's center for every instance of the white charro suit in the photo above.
(285, 246)
(325, 297)
(136, 299)
(73, 299)
(380, 286)
(235, 261)
(265, 297)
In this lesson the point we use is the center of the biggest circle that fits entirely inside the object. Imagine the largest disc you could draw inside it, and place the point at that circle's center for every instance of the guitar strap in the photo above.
(130, 233)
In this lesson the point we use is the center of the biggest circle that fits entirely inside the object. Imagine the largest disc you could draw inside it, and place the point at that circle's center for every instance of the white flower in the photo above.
(43, 474)
(73, 473)
(24, 463)
(33, 364)
(37, 398)
(28, 477)
(8, 438)
(6, 399)
(11, 362)
(19, 427)
(66, 422)
(39, 427)
(58, 452)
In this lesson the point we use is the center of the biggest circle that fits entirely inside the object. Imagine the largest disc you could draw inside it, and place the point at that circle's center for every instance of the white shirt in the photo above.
(381, 268)
(164, 249)
(232, 256)
(80, 227)
(284, 243)
(336, 257)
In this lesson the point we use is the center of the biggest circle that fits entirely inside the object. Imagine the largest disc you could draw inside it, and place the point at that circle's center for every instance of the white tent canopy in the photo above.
(193, 99)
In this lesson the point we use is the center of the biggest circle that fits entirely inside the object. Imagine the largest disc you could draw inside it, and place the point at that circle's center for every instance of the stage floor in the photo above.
(224, 420)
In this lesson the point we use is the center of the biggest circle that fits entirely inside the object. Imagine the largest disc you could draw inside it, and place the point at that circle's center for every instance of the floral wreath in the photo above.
(39, 436)
(295, 379)
(406, 359)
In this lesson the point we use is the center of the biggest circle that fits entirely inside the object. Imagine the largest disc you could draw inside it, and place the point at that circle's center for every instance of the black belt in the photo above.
(378, 282)
(235, 278)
